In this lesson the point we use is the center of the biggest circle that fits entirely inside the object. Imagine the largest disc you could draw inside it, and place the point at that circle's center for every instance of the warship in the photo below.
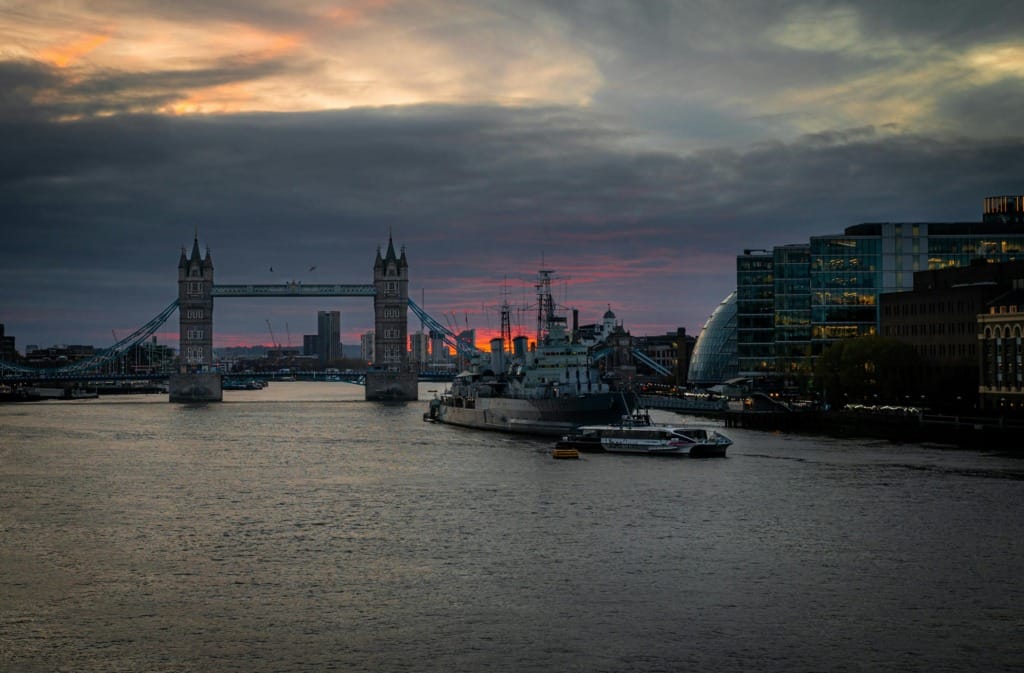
(549, 390)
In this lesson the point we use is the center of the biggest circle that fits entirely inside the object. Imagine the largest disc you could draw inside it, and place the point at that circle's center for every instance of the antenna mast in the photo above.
(545, 304)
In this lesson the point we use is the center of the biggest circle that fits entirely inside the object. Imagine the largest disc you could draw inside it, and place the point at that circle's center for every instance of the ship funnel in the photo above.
(520, 345)
(497, 355)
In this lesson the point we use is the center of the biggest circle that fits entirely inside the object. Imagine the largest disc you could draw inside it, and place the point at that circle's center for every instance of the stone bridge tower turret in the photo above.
(391, 377)
(195, 310)
(195, 381)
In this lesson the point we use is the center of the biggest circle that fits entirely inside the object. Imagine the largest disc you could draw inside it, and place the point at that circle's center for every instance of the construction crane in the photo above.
(273, 340)
(289, 332)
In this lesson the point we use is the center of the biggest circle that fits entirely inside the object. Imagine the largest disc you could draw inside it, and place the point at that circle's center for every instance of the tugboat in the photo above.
(549, 391)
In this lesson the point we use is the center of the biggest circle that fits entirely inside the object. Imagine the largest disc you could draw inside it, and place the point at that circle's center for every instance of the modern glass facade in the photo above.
(792, 302)
(796, 299)
(957, 244)
(714, 355)
(755, 313)
(845, 281)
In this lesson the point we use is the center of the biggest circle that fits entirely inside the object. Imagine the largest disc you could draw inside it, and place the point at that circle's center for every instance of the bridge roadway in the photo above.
(293, 289)
(350, 376)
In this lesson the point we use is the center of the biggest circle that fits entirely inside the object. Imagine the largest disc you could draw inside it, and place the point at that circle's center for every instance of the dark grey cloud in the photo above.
(95, 210)
(712, 72)
(20, 84)
(691, 145)
(947, 22)
(38, 90)
(987, 107)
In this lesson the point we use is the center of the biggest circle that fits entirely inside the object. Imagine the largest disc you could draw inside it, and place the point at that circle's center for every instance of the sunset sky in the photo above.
(635, 147)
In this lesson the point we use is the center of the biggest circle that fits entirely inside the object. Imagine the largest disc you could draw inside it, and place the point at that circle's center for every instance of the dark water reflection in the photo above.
(299, 529)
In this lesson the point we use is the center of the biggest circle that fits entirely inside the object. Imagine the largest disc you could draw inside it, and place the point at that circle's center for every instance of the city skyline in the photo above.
(635, 148)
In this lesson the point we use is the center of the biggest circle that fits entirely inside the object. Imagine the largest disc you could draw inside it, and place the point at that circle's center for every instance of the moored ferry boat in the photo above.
(548, 391)
(636, 434)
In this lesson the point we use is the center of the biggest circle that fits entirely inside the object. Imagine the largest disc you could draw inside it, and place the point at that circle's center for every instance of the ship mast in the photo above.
(545, 304)
(506, 327)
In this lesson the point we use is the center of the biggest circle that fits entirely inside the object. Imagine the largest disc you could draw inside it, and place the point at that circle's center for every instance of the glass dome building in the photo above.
(714, 355)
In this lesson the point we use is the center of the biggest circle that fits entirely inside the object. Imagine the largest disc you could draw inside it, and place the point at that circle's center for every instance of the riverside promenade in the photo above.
(898, 425)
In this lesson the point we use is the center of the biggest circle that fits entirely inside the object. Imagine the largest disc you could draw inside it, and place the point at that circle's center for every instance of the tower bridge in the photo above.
(390, 377)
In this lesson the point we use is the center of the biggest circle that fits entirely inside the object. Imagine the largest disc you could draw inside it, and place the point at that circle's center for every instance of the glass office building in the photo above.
(845, 281)
(714, 355)
(755, 313)
(792, 305)
(794, 300)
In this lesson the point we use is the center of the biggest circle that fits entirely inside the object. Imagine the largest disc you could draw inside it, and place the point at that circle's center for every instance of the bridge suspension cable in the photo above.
(104, 356)
(446, 334)
(647, 360)
(639, 355)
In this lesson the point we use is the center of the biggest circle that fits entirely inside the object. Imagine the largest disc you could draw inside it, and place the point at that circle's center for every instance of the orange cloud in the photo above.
(226, 99)
(68, 54)
(333, 54)
(350, 14)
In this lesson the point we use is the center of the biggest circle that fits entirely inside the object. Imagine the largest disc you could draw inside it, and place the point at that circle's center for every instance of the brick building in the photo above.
(1000, 353)
(939, 317)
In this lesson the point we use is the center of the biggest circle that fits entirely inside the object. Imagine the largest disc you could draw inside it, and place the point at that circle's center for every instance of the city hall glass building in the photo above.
(793, 300)
(714, 355)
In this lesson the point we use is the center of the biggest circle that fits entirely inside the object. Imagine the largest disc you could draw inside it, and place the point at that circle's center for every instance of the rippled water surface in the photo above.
(300, 529)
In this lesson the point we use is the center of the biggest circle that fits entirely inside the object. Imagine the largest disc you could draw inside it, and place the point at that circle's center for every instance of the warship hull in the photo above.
(548, 417)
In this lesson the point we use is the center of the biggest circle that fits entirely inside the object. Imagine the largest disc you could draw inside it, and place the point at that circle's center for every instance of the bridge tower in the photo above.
(194, 380)
(391, 377)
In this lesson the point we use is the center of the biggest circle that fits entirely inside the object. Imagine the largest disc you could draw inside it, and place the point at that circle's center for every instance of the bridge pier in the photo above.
(385, 386)
(205, 387)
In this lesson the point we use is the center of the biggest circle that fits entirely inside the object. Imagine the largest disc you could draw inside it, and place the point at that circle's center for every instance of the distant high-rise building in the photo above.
(467, 337)
(8, 352)
(418, 348)
(438, 348)
(309, 344)
(328, 336)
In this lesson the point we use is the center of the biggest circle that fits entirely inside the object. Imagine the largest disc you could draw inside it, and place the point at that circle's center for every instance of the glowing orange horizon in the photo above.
(68, 54)
(482, 343)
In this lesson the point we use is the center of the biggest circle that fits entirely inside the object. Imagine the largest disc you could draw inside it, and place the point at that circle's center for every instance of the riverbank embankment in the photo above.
(989, 433)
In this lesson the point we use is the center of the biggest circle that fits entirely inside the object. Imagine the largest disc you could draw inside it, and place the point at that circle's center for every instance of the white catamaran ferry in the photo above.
(638, 435)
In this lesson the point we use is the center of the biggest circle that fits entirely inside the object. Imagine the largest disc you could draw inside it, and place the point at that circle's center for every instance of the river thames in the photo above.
(299, 528)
